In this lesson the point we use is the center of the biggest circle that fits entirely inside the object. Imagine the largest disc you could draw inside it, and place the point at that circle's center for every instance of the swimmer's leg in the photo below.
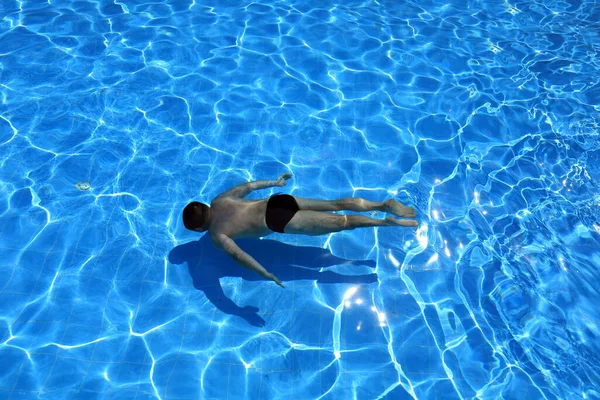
(356, 204)
(308, 222)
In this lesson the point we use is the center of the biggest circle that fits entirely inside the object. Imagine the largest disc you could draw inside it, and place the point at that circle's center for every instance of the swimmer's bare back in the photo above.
(231, 216)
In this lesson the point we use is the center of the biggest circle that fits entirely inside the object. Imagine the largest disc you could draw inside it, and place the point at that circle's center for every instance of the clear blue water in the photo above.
(483, 115)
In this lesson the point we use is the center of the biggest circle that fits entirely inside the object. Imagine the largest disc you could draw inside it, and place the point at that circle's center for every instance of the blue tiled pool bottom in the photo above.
(484, 116)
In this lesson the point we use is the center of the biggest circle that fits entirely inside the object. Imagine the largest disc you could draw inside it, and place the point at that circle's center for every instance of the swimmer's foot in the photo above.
(399, 209)
(391, 221)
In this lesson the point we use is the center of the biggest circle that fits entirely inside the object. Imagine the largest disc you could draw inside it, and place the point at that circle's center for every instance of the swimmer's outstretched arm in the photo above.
(225, 243)
(244, 190)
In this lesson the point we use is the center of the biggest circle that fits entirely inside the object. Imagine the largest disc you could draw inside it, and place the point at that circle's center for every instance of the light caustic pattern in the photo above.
(483, 115)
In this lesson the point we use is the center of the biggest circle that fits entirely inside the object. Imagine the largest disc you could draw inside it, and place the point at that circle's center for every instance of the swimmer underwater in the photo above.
(230, 216)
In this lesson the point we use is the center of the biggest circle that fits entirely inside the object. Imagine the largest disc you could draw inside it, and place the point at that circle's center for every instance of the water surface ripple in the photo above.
(483, 115)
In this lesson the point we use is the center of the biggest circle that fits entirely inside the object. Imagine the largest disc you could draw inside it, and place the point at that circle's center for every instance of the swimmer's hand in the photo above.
(224, 242)
(281, 180)
(274, 279)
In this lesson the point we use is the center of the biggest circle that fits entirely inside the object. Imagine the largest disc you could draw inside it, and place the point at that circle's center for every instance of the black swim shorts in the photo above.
(280, 210)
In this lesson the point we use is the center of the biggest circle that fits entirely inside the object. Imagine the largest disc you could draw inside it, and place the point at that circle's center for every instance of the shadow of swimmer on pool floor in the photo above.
(206, 265)
(230, 217)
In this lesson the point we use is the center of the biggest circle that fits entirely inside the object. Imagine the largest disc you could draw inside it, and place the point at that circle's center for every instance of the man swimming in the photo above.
(230, 216)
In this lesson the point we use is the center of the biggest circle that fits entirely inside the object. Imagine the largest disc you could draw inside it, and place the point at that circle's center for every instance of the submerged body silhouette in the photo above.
(207, 265)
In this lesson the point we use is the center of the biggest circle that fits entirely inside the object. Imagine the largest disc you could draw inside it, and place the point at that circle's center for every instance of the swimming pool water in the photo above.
(483, 115)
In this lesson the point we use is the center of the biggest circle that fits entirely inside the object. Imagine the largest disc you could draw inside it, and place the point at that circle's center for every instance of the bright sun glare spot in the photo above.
(393, 259)
(337, 355)
(373, 309)
(348, 303)
(359, 301)
(433, 258)
(422, 235)
(436, 214)
(350, 292)
(248, 366)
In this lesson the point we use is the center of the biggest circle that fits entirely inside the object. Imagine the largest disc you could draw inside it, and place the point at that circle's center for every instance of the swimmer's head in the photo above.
(196, 216)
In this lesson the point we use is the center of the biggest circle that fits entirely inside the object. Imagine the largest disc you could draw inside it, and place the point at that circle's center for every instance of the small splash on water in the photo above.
(83, 185)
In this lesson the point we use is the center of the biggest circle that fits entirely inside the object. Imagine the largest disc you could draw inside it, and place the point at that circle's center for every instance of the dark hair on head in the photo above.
(194, 215)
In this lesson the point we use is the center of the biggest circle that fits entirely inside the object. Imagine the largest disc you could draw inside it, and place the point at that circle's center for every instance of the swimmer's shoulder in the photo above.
(222, 199)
